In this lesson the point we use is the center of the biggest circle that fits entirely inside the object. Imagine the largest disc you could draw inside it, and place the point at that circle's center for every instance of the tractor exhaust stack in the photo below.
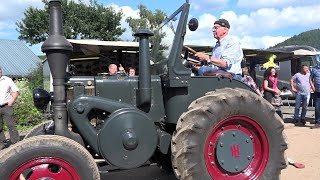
(144, 91)
(57, 49)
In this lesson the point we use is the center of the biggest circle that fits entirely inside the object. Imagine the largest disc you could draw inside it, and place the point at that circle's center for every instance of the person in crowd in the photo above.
(270, 84)
(248, 80)
(300, 84)
(9, 93)
(113, 69)
(315, 86)
(309, 96)
(226, 54)
(277, 103)
(132, 71)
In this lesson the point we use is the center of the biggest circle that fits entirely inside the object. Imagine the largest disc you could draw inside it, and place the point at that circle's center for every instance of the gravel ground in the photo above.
(304, 147)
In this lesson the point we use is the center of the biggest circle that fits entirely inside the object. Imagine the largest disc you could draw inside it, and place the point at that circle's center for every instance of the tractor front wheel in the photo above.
(229, 134)
(47, 157)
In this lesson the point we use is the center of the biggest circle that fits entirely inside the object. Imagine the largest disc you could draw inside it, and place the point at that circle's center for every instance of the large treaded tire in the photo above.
(45, 128)
(47, 156)
(190, 140)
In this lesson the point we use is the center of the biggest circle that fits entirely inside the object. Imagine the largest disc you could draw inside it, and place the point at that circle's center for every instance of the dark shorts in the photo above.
(268, 96)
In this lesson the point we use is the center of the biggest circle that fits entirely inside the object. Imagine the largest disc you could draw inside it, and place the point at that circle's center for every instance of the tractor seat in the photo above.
(219, 73)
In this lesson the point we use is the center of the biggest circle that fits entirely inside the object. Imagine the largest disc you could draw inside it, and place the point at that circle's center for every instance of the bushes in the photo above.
(25, 112)
(35, 77)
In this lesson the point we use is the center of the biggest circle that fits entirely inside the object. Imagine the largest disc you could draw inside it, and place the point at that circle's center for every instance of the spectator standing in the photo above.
(8, 96)
(270, 84)
(315, 86)
(300, 84)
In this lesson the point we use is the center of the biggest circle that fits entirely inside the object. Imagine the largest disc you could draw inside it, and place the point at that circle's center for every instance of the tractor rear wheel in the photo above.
(229, 134)
(47, 157)
(45, 128)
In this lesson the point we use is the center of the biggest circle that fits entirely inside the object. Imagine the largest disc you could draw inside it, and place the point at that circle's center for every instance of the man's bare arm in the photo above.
(312, 85)
(292, 86)
(14, 98)
(215, 61)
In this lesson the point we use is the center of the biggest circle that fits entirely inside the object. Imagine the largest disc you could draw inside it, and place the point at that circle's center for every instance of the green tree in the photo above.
(35, 77)
(309, 38)
(150, 20)
(80, 21)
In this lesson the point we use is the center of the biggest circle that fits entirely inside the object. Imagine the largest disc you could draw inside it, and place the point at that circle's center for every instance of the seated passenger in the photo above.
(248, 80)
(132, 71)
(115, 74)
(113, 69)
(226, 54)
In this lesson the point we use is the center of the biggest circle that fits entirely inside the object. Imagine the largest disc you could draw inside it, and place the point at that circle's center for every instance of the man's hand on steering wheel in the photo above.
(202, 56)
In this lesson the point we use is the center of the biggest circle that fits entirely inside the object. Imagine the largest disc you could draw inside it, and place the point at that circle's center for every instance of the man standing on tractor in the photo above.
(8, 95)
(226, 54)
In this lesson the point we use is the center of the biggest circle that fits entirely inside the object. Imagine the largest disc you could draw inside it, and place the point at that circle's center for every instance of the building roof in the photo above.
(16, 59)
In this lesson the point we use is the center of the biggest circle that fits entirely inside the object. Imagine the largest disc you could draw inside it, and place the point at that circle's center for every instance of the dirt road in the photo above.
(304, 147)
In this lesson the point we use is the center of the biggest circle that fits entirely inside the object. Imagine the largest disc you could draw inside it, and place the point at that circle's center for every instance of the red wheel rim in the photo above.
(46, 167)
(260, 146)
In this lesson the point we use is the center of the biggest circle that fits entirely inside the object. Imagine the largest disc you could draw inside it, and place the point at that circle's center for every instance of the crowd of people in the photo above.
(114, 70)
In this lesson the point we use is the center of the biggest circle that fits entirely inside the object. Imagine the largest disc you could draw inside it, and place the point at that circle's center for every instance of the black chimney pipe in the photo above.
(144, 91)
(58, 49)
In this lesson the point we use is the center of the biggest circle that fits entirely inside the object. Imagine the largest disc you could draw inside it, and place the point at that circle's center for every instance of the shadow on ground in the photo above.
(142, 173)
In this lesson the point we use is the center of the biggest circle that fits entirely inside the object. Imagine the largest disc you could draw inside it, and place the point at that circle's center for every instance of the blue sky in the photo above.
(257, 23)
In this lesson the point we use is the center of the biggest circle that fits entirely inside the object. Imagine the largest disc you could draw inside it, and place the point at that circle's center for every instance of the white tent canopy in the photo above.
(303, 52)
(95, 47)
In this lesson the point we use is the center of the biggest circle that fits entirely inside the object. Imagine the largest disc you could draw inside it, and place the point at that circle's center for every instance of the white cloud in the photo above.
(254, 30)
(275, 3)
(127, 12)
(242, 26)
(261, 42)
(203, 35)
(9, 24)
(206, 21)
(84, 1)
(208, 4)
(268, 20)
(11, 11)
(14, 9)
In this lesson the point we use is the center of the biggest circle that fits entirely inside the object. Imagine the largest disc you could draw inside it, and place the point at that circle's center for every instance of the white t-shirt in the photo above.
(7, 86)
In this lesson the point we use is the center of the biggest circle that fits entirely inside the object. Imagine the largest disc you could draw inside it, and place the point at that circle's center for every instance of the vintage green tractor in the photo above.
(209, 127)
